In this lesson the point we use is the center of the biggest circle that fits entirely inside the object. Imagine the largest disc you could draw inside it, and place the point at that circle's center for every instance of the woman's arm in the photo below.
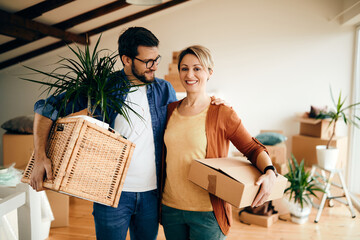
(255, 152)
(265, 181)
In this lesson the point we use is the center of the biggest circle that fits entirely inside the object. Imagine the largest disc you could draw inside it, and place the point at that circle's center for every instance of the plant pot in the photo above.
(327, 158)
(92, 120)
(299, 215)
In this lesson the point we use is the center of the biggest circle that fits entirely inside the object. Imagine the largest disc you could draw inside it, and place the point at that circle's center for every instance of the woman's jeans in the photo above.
(184, 225)
(136, 210)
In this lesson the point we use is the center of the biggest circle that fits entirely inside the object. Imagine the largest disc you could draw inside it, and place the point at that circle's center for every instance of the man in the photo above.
(138, 205)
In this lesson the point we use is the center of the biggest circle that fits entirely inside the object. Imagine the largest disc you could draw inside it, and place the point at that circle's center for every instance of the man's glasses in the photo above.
(150, 63)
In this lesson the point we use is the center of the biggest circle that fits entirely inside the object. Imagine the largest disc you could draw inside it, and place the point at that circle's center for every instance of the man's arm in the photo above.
(42, 126)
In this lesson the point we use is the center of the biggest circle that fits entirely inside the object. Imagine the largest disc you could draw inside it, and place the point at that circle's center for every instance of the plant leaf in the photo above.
(87, 76)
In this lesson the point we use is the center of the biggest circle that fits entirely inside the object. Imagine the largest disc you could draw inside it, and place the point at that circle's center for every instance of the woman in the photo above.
(197, 129)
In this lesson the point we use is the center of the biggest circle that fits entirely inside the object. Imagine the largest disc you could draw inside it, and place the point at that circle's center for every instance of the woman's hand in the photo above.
(266, 183)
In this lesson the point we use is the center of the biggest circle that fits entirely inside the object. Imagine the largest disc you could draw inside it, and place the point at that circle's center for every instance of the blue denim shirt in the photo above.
(160, 93)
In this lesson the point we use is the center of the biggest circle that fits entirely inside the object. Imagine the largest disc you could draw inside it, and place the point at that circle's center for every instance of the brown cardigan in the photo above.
(222, 125)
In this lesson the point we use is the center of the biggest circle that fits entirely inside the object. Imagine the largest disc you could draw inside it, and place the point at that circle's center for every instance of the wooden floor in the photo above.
(335, 223)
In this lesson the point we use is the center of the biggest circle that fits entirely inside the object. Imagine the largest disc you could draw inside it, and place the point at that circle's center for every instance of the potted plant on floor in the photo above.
(301, 188)
(327, 155)
(88, 161)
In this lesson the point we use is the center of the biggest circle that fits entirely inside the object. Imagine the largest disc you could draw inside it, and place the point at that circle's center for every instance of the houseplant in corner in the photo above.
(88, 161)
(301, 188)
(327, 156)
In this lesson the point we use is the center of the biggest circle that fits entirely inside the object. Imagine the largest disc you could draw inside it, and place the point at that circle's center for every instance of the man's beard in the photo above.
(142, 77)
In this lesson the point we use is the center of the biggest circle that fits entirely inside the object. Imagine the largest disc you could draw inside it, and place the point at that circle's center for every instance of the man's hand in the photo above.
(42, 165)
(219, 101)
(266, 182)
(42, 169)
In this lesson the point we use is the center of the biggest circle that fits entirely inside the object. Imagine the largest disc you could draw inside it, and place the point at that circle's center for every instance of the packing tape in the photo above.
(212, 184)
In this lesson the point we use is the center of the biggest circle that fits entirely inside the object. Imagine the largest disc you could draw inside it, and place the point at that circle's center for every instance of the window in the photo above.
(354, 157)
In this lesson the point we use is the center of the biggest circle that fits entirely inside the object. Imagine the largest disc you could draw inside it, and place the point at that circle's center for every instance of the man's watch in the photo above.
(271, 167)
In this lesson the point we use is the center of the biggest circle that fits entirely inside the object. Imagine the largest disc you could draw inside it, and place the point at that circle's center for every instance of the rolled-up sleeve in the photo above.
(46, 110)
(49, 107)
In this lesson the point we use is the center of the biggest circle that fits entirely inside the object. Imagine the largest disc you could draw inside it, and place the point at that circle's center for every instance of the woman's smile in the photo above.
(191, 82)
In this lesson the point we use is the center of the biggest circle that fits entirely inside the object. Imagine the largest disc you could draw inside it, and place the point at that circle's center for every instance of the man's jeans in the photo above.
(136, 210)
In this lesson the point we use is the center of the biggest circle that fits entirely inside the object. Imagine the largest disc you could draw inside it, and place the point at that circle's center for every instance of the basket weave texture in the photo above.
(87, 161)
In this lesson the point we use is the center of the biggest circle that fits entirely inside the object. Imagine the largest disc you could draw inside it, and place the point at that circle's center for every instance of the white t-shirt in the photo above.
(141, 175)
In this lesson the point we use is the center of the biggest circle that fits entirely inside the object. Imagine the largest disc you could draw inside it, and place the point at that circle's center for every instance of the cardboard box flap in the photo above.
(310, 120)
(230, 162)
(237, 168)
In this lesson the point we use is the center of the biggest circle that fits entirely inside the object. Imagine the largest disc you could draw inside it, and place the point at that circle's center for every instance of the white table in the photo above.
(33, 211)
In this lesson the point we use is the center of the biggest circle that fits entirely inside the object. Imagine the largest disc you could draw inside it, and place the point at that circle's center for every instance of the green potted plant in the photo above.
(88, 76)
(87, 161)
(327, 155)
(301, 188)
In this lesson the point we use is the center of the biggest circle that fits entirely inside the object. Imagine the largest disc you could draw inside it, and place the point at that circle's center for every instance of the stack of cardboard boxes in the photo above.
(17, 148)
(315, 132)
(277, 154)
(173, 76)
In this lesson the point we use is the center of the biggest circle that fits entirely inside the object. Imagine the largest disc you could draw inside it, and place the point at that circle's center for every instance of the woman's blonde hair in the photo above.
(201, 52)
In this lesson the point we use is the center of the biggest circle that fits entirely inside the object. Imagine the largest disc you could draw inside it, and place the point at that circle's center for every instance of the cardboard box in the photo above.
(17, 148)
(277, 153)
(281, 168)
(175, 56)
(173, 69)
(304, 147)
(264, 221)
(175, 82)
(319, 128)
(60, 207)
(231, 179)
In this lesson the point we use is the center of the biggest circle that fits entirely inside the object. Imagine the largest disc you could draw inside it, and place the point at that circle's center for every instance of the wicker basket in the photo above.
(88, 161)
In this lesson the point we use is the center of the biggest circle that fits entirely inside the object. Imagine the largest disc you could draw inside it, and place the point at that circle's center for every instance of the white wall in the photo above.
(273, 58)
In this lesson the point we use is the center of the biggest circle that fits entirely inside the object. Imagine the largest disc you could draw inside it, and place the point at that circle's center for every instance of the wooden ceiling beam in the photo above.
(42, 7)
(108, 8)
(9, 20)
(95, 31)
(135, 16)
(119, 4)
(17, 32)
(31, 54)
